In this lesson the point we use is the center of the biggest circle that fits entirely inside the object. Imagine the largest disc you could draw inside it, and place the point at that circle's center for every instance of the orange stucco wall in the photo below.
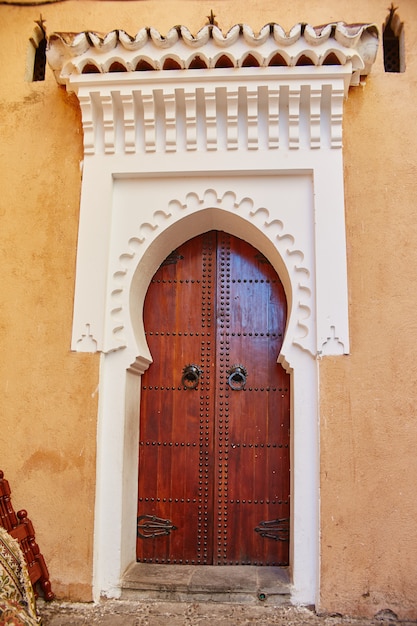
(368, 407)
(368, 399)
(48, 401)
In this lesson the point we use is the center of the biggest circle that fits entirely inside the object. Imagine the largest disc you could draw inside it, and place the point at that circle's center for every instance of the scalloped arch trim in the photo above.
(292, 258)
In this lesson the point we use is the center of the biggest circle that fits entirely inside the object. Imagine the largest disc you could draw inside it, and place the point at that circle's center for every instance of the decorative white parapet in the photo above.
(332, 44)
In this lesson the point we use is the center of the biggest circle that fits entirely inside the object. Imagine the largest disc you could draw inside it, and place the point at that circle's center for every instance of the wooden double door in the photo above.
(214, 455)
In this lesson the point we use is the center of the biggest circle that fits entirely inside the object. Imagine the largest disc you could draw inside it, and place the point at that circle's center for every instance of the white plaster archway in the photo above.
(168, 154)
(118, 445)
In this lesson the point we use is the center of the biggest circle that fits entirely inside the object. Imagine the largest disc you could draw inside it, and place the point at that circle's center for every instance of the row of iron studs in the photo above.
(223, 407)
(205, 416)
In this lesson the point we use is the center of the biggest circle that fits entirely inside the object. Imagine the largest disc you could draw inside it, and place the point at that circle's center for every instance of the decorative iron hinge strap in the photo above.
(276, 529)
(150, 526)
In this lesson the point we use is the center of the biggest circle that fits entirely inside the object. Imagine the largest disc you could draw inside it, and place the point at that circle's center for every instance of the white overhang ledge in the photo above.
(335, 44)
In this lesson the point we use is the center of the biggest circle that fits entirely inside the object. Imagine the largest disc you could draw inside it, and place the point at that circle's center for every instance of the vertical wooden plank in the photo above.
(250, 332)
(175, 448)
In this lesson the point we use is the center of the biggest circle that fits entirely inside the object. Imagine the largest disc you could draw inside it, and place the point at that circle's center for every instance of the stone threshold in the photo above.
(201, 583)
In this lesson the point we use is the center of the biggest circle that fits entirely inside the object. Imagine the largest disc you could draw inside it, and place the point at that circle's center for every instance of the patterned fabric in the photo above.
(17, 600)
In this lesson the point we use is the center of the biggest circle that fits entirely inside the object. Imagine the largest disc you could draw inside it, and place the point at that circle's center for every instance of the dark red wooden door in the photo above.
(214, 457)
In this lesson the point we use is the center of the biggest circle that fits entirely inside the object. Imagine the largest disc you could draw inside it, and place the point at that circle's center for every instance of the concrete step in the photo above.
(244, 584)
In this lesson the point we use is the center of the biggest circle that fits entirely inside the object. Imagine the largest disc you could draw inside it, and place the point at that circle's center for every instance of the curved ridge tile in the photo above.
(256, 40)
(350, 34)
(134, 43)
(286, 39)
(225, 40)
(201, 39)
(317, 35)
(160, 41)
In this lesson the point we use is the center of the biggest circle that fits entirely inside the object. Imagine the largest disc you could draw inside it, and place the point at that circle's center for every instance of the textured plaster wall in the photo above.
(369, 399)
(48, 402)
(368, 416)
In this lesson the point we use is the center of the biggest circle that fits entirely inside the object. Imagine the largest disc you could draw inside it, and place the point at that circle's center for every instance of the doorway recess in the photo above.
(214, 434)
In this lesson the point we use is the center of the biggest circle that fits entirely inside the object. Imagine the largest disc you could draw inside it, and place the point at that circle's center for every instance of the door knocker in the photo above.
(190, 376)
(237, 377)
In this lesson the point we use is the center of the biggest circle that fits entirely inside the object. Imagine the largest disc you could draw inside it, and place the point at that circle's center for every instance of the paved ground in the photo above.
(161, 613)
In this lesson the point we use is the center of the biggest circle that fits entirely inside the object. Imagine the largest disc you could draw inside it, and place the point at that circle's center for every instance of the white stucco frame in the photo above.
(135, 208)
(170, 223)
(220, 200)
(255, 151)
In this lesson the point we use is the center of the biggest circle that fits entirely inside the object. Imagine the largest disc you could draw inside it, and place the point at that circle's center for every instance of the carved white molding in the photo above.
(284, 81)
(133, 113)
(299, 269)
(295, 213)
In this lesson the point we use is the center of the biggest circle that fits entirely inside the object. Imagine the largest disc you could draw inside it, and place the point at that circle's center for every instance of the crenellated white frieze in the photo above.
(225, 113)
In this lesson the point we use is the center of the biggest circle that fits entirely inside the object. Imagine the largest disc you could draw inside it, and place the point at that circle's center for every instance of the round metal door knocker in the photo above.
(190, 376)
(237, 377)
